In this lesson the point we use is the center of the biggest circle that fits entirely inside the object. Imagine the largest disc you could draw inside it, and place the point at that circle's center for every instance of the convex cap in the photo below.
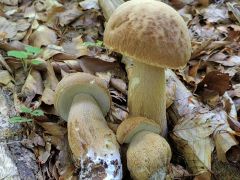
(76, 83)
(150, 32)
(133, 125)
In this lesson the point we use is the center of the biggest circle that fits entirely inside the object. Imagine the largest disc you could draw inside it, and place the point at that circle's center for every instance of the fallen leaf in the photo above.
(53, 128)
(214, 81)
(7, 29)
(178, 171)
(32, 86)
(43, 157)
(214, 13)
(119, 84)
(89, 4)
(10, 2)
(71, 13)
(93, 65)
(75, 47)
(48, 96)
(5, 77)
(42, 36)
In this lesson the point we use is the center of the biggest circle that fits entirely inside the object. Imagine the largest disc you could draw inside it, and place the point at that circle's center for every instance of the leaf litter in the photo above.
(65, 29)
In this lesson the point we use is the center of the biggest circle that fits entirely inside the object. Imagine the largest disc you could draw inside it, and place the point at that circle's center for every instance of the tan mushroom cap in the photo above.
(131, 126)
(150, 32)
(76, 83)
(148, 156)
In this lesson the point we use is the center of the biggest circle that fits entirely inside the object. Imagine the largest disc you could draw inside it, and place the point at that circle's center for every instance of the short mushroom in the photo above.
(148, 154)
(83, 100)
(155, 37)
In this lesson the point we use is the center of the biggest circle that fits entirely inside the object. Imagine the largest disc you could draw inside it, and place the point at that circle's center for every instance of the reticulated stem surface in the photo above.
(147, 94)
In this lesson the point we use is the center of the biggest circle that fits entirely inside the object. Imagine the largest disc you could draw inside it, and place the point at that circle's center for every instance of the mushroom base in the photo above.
(92, 141)
(148, 156)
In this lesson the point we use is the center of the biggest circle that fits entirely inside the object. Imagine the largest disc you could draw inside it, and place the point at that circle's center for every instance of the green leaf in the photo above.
(18, 119)
(90, 44)
(36, 62)
(37, 112)
(18, 54)
(87, 44)
(99, 43)
(25, 109)
(33, 50)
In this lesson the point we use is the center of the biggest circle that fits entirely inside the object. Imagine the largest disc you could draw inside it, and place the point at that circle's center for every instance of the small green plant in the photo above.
(29, 113)
(30, 52)
(93, 44)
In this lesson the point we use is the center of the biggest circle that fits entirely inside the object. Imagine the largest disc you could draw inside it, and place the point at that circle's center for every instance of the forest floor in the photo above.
(42, 41)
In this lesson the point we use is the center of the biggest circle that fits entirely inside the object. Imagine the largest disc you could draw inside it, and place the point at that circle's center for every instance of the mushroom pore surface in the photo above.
(77, 83)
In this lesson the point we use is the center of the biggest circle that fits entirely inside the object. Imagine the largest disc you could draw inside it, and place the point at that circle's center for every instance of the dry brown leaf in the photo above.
(43, 36)
(43, 5)
(233, 155)
(70, 14)
(57, 141)
(105, 57)
(93, 65)
(235, 92)
(59, 66)
(48, 96)
(75, 47)
(203, 176)
(32, 86)
(214, 81)
(51, 79)
(43, 156)
(89, 4)
(178, 171)
(53, 128)
(119, 114)
(51, 51)
(204, 2)
(10, 2)
(119, 84)
(7, 29)
(72, 65)
(36, 139)
(4, 64)
(214, 13)
(5, 77)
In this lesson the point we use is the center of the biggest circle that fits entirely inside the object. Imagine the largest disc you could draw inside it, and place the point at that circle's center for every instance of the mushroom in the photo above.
(148, 154)
(155, 37)
(83, 100)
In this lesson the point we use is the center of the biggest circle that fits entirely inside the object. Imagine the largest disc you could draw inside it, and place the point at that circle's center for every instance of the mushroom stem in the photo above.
(147, 95)
(92, 141)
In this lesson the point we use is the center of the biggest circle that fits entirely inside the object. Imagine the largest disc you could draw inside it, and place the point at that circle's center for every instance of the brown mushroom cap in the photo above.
(76, 83)
(150, 32)
(131, 126)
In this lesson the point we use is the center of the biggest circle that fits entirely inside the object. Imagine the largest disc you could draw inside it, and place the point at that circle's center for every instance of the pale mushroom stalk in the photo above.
(147, 94)
(83, 101)
(86, 120)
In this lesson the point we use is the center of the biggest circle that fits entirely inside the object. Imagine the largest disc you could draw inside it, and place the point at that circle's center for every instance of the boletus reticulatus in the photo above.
(148, 154)
(83, 100)
(155, 37)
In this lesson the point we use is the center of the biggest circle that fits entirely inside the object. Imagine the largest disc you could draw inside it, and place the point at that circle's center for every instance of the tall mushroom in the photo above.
(83, 100)
(148, 154)
(155, 36)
